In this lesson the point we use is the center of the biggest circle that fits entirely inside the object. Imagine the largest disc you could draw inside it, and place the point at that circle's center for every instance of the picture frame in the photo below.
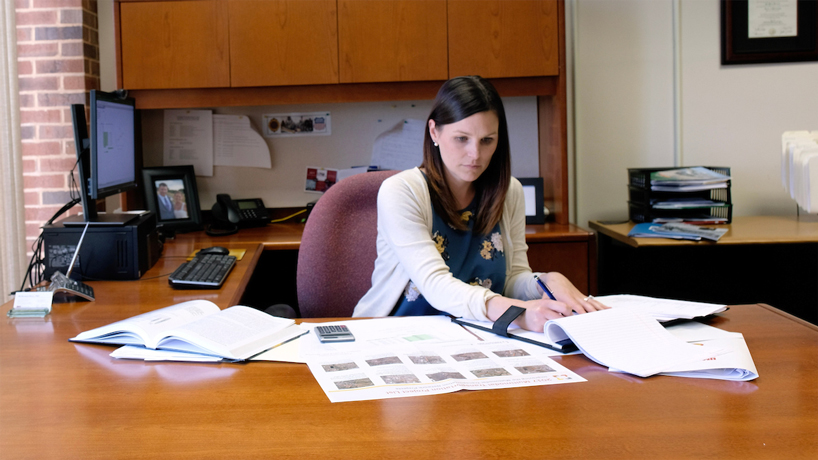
(178, 185)
(534, 203)
(785, 32)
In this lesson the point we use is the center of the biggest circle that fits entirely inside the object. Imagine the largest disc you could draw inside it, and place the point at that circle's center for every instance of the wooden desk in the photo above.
(65, 400)
(770, 259)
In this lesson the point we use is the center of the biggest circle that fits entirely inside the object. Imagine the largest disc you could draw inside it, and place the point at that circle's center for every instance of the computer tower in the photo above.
(119, 252)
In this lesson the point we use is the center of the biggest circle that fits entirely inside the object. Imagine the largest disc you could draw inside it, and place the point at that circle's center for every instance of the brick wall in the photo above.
(58, 65)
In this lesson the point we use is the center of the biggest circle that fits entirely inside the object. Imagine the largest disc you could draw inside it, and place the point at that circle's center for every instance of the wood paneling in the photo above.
(386, 40)
(503, 38)
(174, 45)
(283, 42)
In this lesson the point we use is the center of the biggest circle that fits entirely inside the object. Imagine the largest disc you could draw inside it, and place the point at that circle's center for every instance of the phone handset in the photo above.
(226, 216)
(225, 209)
(229, 214)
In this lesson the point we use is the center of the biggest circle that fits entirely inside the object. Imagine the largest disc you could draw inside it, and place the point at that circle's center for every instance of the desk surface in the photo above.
(65, 400)
(288, 236)
(743, 230)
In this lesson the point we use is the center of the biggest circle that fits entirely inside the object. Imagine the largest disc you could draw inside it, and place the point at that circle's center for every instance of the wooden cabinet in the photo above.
(503, 38)
(283, 42)
(390, 40)
(174, 44)
(254, 43)
(220, 53)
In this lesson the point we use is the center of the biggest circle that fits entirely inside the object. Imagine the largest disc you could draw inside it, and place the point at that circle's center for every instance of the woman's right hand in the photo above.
(537, 312)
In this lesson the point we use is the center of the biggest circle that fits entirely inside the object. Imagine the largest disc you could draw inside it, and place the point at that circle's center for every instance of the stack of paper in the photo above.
(687, 179)
(628, 341)
(676, 231)
(662, 310)
(629, 338)
(799, 167)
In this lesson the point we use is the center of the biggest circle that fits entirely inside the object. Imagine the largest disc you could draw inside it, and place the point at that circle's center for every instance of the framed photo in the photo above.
(756, 31)
(534, 207)
(171, 193)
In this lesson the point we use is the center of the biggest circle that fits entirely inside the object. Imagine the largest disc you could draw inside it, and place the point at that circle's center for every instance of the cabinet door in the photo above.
(283, 42)
(503, 38)
(174, 44)
(570, 259)
(388, 40)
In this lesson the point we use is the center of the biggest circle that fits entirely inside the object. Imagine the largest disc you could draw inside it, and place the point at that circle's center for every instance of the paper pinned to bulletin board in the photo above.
(188, 140)
(319, 180)
(297, 124)
(236, 143)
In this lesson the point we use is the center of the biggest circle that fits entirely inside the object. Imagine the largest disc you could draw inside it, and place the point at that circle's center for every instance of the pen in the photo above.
(545, 288)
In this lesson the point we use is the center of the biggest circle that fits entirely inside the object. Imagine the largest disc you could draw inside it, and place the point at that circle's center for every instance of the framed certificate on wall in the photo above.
(766, 31)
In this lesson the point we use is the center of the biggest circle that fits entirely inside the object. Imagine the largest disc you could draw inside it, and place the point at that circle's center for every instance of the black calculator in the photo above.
(332, 334)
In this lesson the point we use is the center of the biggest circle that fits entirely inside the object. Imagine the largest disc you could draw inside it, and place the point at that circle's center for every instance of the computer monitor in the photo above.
(107, 158)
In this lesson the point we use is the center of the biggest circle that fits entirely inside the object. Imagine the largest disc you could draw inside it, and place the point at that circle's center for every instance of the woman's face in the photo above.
(466, 146)
(179, 198)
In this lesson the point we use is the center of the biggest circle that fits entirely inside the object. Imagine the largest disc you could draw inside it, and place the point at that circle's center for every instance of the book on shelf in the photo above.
(198, 328)
(687, 179)
(676, 231)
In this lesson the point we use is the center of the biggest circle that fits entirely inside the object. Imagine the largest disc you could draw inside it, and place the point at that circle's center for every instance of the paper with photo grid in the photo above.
(399, 357)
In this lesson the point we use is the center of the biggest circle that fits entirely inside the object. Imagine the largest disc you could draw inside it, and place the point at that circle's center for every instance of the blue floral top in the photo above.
(472, 258)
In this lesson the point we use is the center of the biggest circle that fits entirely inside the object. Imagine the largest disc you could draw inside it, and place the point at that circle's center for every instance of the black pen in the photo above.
(545, 287)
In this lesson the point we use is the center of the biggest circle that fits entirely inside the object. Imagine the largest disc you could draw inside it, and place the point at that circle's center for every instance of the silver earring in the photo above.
(435, 143)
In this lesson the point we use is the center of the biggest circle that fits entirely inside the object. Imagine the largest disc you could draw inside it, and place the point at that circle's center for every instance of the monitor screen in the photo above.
(113, 144)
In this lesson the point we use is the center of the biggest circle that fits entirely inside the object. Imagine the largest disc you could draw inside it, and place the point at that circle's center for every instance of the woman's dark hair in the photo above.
(460, 98)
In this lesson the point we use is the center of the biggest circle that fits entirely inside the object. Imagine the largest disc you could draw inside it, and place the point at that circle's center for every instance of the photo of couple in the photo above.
(171, 199)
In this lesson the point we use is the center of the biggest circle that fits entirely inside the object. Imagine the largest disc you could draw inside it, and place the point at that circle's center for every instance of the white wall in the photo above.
(354, 129)
(730, 115)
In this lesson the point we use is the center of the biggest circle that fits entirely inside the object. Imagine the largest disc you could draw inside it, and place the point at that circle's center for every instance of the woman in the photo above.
(451, 234)
(179, 205)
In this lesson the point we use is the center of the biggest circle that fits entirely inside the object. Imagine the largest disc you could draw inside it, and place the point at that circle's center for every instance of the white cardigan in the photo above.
(406, 251)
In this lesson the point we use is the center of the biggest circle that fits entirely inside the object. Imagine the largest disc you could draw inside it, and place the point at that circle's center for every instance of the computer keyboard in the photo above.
(205, 271)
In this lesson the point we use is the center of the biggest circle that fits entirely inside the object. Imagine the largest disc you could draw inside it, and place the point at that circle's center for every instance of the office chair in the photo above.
(338, 247)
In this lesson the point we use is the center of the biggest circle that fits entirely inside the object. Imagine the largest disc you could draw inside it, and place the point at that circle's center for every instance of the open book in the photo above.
(199, 326)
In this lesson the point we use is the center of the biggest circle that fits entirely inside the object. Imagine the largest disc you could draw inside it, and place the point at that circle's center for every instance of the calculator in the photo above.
(332, 334)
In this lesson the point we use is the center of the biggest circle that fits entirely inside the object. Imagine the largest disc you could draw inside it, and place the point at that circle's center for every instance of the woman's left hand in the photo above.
(567, 293)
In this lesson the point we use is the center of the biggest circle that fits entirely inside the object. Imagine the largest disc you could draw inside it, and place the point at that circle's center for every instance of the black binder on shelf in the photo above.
(707, 205)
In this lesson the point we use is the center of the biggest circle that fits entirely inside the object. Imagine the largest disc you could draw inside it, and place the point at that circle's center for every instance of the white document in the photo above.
(33, 300)
(662, 309)
(401, 147)
(423, 355)
(189, 140)
(236, 143)
(148, 354)
(734, 364)
(287, 352)
(626, 340)
(772, 18)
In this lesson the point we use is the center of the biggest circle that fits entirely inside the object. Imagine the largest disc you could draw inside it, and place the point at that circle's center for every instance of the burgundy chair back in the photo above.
(338, 247)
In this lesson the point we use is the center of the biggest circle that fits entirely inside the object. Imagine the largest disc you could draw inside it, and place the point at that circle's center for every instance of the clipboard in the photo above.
(500, 328)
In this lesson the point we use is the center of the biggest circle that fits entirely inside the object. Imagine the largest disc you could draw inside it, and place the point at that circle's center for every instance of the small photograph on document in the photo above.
(319, 180)
(297, 124)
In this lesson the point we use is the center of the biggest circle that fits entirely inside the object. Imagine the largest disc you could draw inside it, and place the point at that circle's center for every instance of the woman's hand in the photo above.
(568, 294)
(537, 312)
